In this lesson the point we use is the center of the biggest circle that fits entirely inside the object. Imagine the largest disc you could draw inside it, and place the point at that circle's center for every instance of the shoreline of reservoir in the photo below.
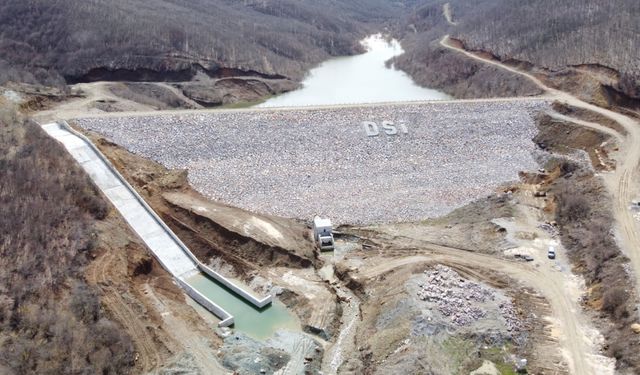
(364, 78)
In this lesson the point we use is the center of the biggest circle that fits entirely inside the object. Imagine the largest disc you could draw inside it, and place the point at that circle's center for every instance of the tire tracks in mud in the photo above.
(100, 272)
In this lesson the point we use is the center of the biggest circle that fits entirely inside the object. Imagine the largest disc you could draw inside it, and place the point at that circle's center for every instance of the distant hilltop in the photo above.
(588, 46)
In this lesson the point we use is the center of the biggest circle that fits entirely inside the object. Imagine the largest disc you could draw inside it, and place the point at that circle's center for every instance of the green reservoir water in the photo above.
(259, 324)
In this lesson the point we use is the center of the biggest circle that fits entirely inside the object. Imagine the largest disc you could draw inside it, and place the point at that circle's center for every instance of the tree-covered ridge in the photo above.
(273, 37)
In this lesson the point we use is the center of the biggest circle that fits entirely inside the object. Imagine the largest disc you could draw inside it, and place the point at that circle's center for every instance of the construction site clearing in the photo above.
(430, 203)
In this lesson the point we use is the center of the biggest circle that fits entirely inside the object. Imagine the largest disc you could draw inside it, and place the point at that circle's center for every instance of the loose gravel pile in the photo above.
(299, 163)
(455, 297)
(462, 300)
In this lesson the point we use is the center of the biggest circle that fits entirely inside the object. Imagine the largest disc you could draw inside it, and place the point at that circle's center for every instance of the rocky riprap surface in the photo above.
(303, 162)
(455, 297)
(463, 301)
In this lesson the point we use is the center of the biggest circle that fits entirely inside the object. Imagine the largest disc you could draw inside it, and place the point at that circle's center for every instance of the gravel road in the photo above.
(298, 163)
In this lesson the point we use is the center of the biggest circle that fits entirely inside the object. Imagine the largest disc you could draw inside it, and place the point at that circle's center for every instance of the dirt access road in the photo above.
(82, 108)
(93, 93)
(96, 93)
(565, 310)
(574, 331)
(446, 11)
(623, 182)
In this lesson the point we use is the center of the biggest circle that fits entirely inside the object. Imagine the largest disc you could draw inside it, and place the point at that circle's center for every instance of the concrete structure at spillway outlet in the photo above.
(167, 248)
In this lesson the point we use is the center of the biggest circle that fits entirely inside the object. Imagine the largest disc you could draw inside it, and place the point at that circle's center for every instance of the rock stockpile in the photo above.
(462, 300)
(302, 162)
(454, 296)
(508, 312)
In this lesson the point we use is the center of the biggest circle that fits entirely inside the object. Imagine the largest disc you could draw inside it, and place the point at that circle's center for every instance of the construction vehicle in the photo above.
(323, 233)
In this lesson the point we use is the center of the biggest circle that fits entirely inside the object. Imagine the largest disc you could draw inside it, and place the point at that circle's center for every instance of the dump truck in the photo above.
(323, 233)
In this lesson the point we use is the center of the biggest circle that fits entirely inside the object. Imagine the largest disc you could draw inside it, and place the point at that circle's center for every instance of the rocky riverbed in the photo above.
(425, 161)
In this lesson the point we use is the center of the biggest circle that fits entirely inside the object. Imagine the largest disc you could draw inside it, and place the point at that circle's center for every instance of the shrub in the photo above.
(613, 300)
(572, 206)
(48, 207)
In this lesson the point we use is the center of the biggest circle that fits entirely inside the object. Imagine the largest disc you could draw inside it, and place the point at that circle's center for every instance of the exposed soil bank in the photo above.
(204, 236)
(464, 78)
(169, 74)
(585, 221)
(231, 90)
(265, 240)
(255, 249)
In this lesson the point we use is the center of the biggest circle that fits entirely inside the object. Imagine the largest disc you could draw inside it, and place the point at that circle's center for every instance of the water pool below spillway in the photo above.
(257, 323)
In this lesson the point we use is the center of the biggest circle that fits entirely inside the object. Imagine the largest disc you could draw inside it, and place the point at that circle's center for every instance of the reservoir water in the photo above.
(363, 78)
(257, 323)
(357, 79)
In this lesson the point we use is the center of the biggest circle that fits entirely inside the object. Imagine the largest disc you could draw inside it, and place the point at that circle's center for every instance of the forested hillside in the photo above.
(164, 39)
(555, 34)
(50, 41)
(51, 319)
(548, 34)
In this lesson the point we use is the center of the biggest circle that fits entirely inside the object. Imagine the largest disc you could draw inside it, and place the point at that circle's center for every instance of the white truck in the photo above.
(551, 253)
(323, 233)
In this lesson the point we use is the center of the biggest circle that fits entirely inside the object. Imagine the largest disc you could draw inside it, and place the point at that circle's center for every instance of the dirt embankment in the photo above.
(468, 227)
(271, 254)
(33, 98)
(141, 296)
(590, 116)
(592, 83)
(232, 90)
(563, 137)
(235, 244)
(580, 203)
(397, 326)
(209, 229)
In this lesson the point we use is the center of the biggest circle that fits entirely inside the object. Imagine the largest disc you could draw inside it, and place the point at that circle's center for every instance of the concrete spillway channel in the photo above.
(167, 248)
